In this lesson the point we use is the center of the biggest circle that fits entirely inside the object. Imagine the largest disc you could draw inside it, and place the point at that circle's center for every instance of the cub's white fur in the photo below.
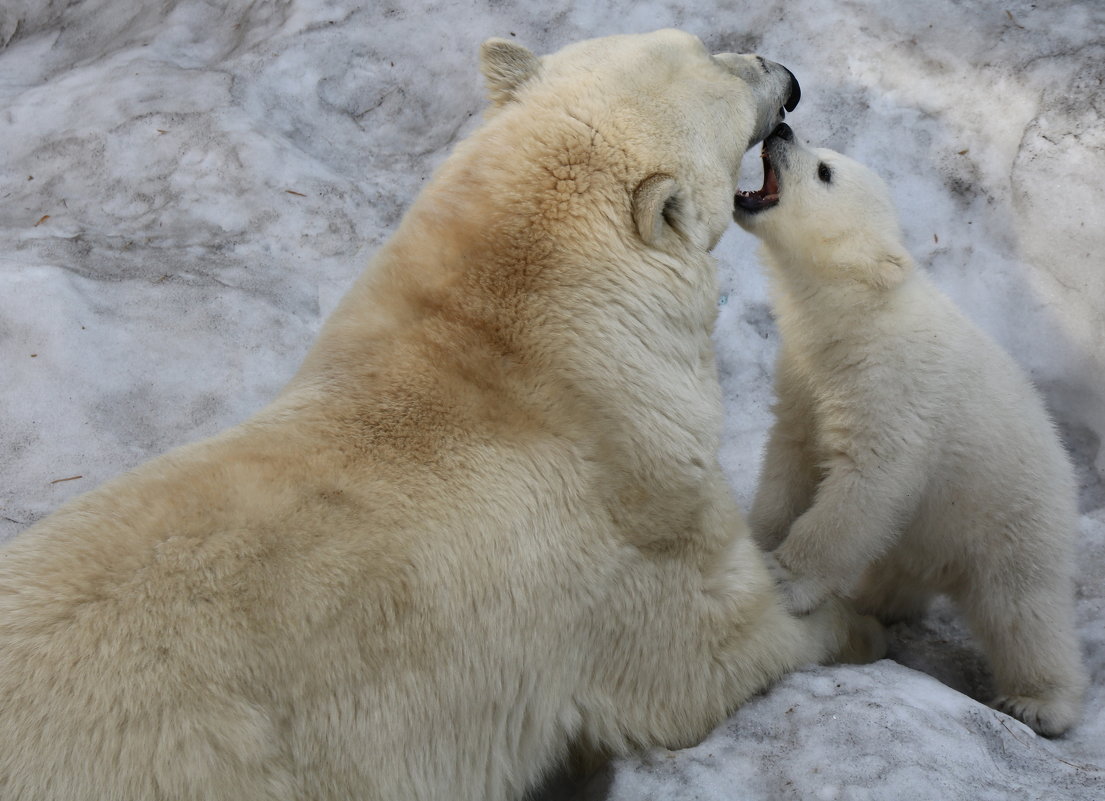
(910, 455)
(483, 524)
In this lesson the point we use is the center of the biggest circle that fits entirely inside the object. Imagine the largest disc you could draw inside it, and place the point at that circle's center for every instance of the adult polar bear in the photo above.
(486, 518)
(909, 455)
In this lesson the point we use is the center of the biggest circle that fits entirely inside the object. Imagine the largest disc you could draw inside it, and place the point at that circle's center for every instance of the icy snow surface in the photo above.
(186, 188)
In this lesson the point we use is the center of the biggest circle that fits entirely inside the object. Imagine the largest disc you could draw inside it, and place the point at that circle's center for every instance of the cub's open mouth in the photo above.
(765, 197)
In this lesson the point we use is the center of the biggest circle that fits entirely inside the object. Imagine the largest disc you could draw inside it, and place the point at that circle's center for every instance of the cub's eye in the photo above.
(824, 172)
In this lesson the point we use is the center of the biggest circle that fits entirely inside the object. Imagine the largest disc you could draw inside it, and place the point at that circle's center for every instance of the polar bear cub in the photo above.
(910, 456)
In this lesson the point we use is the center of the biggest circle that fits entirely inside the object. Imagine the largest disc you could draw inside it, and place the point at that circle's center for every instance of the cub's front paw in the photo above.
(801, 594)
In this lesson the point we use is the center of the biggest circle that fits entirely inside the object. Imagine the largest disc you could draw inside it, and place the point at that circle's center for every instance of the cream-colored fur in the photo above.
(484, 523)
(910, 455)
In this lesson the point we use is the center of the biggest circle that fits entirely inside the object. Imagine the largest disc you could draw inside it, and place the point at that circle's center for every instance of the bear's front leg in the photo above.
(715, 633)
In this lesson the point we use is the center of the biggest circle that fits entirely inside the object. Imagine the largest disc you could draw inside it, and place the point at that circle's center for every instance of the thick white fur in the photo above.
(910, 455)
(484, 523)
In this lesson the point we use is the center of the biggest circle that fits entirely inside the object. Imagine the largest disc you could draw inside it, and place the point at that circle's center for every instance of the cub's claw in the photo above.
(801, 594)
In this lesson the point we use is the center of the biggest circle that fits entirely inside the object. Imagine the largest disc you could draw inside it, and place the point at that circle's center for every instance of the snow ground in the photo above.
(186, 188)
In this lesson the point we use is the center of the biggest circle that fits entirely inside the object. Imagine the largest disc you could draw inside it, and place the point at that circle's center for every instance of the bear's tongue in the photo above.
(766, 196)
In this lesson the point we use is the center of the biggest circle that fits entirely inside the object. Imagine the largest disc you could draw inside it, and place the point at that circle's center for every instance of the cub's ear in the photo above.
(655, 204)
(885, 272)
(506, 66)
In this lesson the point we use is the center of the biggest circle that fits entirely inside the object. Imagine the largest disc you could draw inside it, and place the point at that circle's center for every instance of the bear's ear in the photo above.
(506, 66)
(655, 204)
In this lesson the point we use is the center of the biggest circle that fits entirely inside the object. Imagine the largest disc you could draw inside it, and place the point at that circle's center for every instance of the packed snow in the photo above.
(188, 187)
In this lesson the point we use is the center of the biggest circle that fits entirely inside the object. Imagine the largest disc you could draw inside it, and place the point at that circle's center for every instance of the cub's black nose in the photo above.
(795, 93)
(782, 131)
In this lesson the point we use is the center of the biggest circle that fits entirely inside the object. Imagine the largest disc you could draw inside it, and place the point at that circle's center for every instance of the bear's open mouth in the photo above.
(766, 196)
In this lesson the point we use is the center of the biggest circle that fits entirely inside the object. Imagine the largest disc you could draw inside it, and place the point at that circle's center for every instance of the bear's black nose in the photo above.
(782, 131)
(794, 94)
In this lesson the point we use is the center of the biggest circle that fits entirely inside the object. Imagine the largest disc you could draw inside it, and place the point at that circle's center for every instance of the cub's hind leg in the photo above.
(1029, 638)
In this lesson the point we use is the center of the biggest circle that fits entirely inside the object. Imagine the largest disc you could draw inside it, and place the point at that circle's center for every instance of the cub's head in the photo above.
(657, 110)
(824, 214)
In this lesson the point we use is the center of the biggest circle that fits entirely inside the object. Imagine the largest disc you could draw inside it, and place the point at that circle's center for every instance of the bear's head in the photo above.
(824, 214)
(666, 118)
